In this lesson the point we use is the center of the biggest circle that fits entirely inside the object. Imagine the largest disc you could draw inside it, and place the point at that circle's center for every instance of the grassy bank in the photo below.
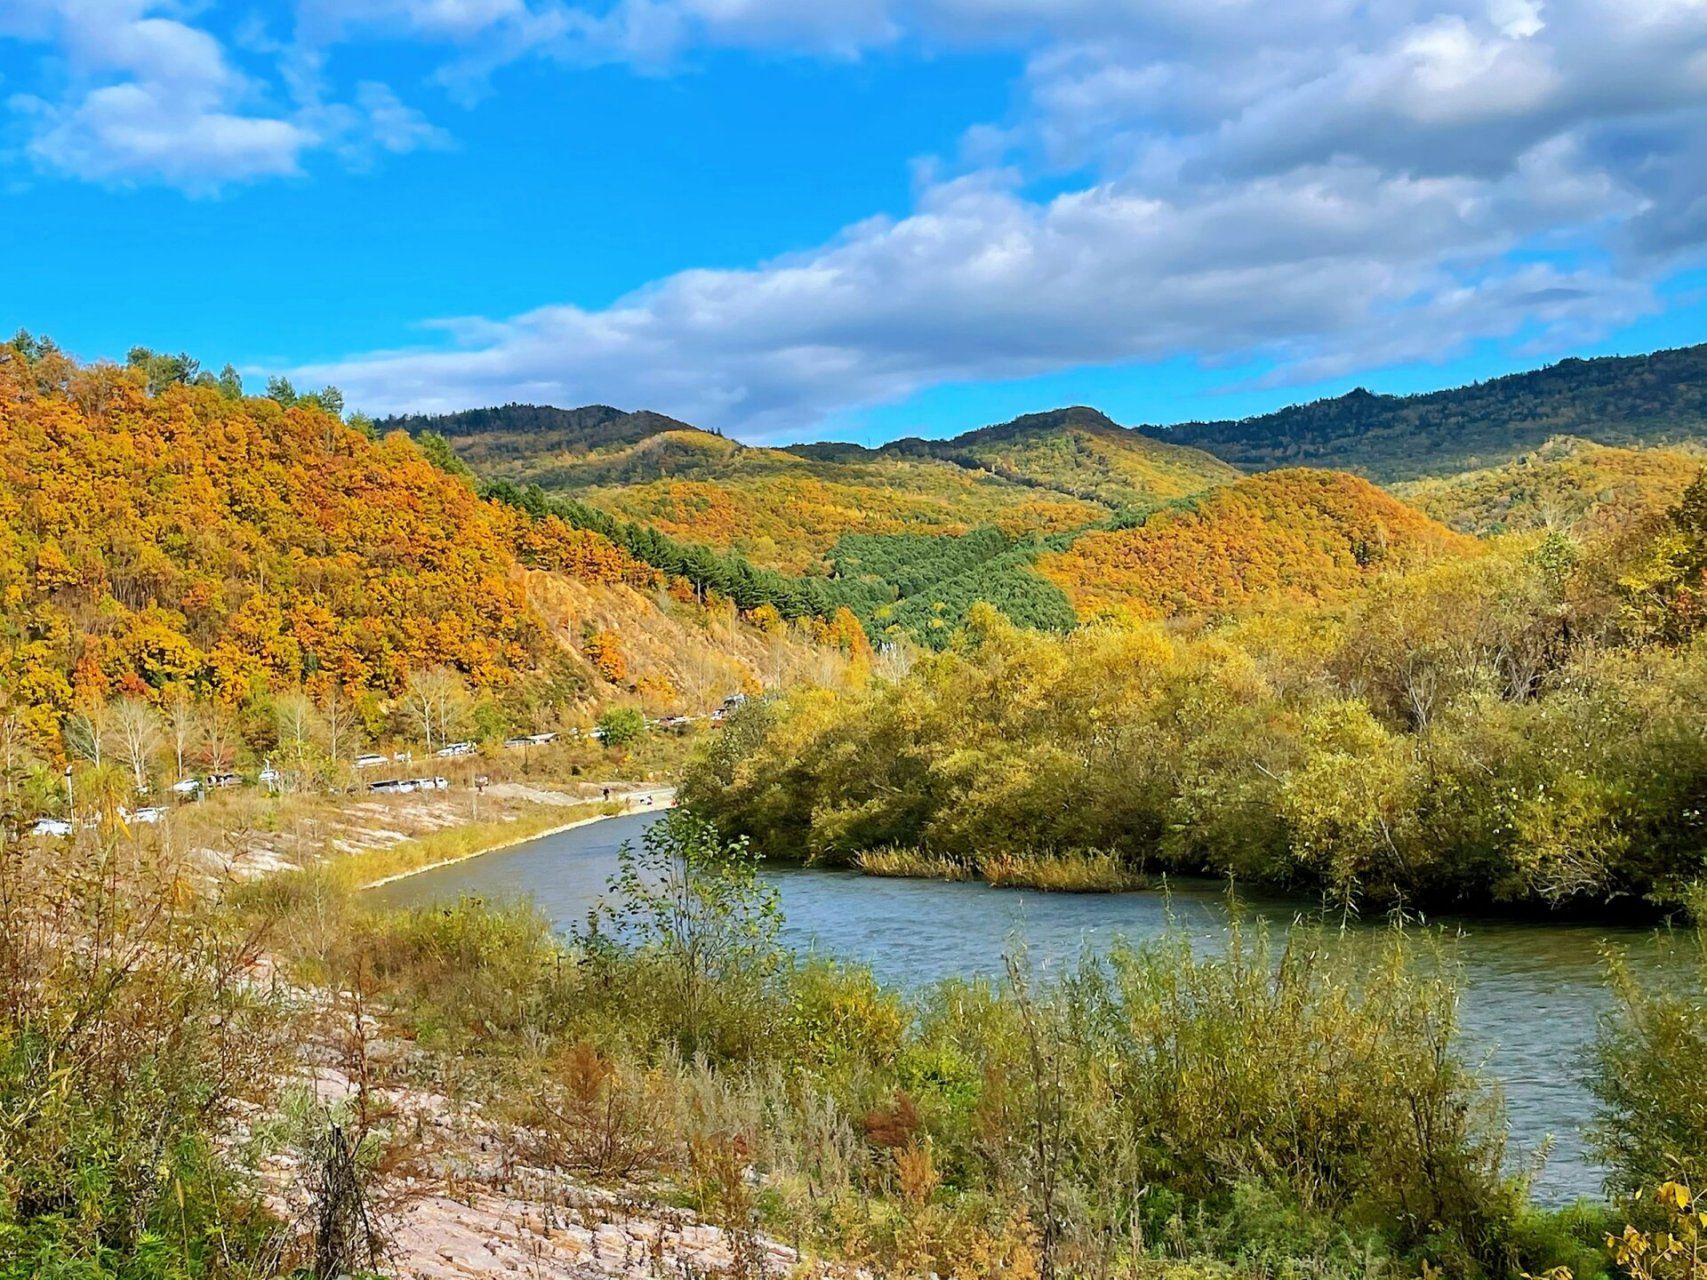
(1054, 872)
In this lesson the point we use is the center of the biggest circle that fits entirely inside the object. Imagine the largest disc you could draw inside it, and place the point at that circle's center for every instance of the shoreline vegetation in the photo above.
(1295, 1105)
(1519, 728)
(1053, 872)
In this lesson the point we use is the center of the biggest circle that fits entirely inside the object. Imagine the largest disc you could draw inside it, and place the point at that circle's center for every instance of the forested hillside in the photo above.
(786, 512)
(1622, 400)
(1523, 724)
(1060, 516)
(787, 508)
(516, 433)
(166, 542)
(1078, 452)
(1282, 537)
(1564, 484)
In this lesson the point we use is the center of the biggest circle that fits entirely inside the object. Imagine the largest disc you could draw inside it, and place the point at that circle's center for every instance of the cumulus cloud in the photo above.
(1330, 185)
(1320, 269)
(139, 96)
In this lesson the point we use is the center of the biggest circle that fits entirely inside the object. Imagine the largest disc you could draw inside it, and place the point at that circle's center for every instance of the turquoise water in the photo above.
(1531, 992)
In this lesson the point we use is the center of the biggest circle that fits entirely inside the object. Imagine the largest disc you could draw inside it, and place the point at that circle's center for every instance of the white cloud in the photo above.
(1322, 267)
(136, 96)
(1331, 185)
(149, 131)
(1327, 184)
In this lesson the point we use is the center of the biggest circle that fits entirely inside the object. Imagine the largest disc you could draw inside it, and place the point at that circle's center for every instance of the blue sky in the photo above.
(857, 218)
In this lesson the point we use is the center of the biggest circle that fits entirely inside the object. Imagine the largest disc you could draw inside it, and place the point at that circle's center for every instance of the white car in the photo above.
(150, 814)
(51, 827)
(269, 775)
(371, 761)
(186, 786)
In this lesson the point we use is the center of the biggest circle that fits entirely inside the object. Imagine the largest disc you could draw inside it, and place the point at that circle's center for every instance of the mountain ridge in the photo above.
(1654, 399)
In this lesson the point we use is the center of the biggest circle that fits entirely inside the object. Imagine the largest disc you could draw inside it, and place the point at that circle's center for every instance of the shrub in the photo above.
(621, 726)
(130, 1033)
(1651, 1125)
(693, 902)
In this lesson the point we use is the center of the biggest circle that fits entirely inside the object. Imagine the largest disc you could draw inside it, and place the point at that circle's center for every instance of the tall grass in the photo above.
(904, 863)
(133, 1032)
(1055, 872)
(1063, 872)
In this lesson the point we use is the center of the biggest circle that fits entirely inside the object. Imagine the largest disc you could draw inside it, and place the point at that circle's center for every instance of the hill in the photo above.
(1567, 483)
(775, 507)
(1286, 535)
(514, 433)
(1618, 400)
(788, 508)
(1078, 452)
(192, 543)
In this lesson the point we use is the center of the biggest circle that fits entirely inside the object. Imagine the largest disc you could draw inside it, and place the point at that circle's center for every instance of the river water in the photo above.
(1531, 991)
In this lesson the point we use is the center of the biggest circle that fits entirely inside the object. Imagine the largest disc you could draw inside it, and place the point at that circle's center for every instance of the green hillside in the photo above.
(1619, 400)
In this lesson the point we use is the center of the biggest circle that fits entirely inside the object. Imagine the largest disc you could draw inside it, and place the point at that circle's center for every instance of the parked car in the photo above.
(223, 779)
(149, 814)
(455, 749)
(186, 786)
(51, 827)
(371, 761)
(268, 776)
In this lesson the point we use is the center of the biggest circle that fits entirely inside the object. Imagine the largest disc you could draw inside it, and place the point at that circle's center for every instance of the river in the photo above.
(1531, 990)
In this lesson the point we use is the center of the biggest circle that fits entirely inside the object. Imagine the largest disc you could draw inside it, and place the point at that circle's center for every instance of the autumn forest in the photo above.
(264, 655)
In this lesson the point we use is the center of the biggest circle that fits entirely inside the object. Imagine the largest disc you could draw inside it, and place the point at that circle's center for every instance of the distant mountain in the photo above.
(1079, 452)
(1619, 400)
(789, 508)
(518, 432)
(1068, 513)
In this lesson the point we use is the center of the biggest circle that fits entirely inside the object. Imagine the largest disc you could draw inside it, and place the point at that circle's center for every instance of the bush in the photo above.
(1651, 1126)
(131, 1031)
(621, 726)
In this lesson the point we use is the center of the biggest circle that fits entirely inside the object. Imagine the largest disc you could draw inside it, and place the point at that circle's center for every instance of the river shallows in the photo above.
(1532, 991)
